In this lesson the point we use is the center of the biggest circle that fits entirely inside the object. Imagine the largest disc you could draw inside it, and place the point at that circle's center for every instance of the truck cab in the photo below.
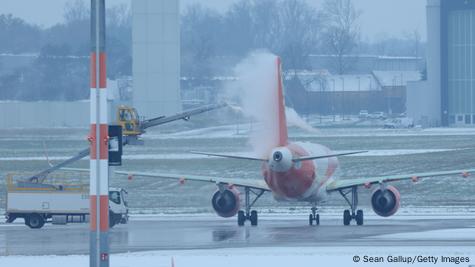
(118, 206)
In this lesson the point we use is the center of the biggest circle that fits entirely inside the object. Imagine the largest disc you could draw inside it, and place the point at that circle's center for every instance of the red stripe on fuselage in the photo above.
(331, 168)
(295, 182)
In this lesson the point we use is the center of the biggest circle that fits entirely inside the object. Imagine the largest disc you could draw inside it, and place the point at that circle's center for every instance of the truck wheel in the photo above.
(113, 219)
(34, 221)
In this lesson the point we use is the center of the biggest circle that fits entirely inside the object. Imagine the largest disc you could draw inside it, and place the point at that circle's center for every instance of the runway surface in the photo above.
(208, 232)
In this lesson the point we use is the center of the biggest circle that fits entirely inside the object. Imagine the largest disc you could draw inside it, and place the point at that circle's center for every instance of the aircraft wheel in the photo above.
(241, 218)
(253, 218)
(317, 219)
(310, 219)
(359, 217)
(346, 217)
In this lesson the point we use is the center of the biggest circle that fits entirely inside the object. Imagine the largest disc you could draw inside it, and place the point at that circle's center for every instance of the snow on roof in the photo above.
(396, 78)
(19, 55)
(369, 56)
(215, 78)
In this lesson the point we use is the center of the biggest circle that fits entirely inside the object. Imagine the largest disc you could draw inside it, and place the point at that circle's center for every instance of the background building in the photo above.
(458, 61)
(324, 93)
(368, 63)
(156, 56)
(448, 96)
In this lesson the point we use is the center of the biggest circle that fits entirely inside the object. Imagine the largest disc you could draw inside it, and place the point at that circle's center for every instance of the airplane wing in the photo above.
(251, 183)
(347, 183)
(232, 156)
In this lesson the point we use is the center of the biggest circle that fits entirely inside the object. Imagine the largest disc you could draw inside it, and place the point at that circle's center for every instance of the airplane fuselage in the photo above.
(302, 180)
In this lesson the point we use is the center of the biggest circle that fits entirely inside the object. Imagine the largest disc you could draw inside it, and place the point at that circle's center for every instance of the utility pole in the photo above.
(99, 139)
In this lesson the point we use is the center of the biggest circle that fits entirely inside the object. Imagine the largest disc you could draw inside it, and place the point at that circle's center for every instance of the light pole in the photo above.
(99, 139)
(359, 92)
(333, 100)
(343, 98)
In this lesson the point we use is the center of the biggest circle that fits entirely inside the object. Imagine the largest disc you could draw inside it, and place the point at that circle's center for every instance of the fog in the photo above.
(380, 45)
(382, 17)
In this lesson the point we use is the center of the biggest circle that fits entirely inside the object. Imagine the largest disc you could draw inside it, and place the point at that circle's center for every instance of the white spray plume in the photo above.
(293, 119)
(256, 90)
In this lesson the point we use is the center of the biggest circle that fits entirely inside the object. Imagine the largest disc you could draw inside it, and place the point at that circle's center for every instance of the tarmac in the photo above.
(144, 233)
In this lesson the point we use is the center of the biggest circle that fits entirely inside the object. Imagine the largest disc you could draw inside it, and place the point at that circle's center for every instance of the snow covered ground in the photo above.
(263, 256)
(446, 234)
(242, 130)
(390, 151)
(369, 153)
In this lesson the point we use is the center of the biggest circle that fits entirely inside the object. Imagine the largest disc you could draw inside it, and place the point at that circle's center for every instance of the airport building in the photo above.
(447, 97)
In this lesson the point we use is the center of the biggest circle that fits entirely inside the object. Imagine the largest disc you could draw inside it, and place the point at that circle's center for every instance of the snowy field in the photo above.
(167, 149)
(275, 257)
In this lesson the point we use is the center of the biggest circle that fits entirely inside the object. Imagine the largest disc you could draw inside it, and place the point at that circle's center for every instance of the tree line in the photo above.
(292, 29)
(60, 68)
(211, 43)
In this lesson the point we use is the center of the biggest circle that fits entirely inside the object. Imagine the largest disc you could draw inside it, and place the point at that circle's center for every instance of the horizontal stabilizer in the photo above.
(326, 156)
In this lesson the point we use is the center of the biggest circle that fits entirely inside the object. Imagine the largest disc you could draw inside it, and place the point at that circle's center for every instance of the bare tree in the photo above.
(415, 38)
(76, 10)
(238, 28)
(119, 16)
(342, 30)
(264, 23)
(199, 32)
(298, 32)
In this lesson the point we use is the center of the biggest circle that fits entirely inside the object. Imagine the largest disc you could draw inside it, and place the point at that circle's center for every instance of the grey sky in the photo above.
(379, 17)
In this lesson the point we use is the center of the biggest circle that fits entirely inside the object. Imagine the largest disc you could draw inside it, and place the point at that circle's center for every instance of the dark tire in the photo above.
(11, 218)
(317, 219)
(35, 221)
(241, 218)
(310, 219)
(253, 218)
(346, 217)
(112, 219)
(359, 217)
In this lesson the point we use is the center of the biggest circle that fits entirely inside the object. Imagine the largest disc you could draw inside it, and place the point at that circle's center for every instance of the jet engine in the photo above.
(226, 203)
(385, 202)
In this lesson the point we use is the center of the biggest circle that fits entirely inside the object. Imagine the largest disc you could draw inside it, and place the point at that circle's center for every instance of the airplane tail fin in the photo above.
(282, 122)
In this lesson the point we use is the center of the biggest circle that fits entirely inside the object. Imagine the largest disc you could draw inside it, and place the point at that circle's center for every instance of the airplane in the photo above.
(296, 171)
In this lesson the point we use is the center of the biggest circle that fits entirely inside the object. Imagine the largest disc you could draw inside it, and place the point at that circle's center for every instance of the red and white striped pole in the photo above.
(99, 169)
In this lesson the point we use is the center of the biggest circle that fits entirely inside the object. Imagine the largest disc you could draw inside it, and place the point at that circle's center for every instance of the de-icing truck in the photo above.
(58, 203)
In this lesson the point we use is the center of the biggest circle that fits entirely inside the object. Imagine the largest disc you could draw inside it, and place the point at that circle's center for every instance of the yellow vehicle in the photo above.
(128, 119)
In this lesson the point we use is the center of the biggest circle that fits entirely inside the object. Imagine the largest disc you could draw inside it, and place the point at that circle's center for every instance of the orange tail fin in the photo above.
(281, 106)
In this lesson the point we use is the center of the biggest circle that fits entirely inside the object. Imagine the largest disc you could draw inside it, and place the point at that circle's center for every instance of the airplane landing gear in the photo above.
(314, 216)
(357, 215)
(250, 215)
